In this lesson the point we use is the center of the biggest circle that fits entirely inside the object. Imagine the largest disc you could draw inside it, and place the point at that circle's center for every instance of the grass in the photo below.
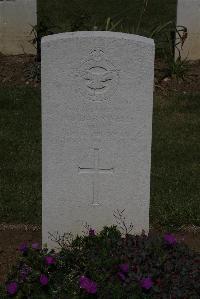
(175, 185)
(20, 155)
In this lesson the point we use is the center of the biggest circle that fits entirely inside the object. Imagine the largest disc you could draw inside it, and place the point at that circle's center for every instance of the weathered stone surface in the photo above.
(16, 20)
(97, 96)
(188, 15)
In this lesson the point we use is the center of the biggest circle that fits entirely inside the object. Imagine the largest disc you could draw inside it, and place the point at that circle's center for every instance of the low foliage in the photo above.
(33, 72)
(178, 67)
(107, 265)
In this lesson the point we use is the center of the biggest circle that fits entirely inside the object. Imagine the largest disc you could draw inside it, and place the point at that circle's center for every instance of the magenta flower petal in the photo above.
(12, 288)
(170, 239)
(49, 260)
(43, 280)
(146, 283)
(23, 248)
(92, 232)
(124, 268)
(24, 272)
(35, 246)
(88, 285)
(121, 276)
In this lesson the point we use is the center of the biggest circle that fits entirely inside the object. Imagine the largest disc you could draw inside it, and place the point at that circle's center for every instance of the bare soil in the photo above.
(11, 236)
(12, 70)
(164, 82)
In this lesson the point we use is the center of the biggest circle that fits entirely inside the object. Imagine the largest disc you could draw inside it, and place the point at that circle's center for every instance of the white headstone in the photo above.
(16, 20)
(188, 15)
(97, 97)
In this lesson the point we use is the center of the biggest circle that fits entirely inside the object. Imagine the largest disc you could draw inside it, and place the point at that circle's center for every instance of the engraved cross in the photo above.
(96, 171)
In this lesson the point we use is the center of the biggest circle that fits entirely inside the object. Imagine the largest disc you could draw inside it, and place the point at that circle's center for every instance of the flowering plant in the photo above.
(107, 265)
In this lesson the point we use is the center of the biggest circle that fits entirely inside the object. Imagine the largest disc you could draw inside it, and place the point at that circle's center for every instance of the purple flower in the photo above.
(24, 271)
(35, 246)
(170, 239)
(121, 276)
(146, 283)
(49, 260)
(43, 280)
(92, 232)
(124, 268)
(88, 285)
(23, 248)
(12, 288)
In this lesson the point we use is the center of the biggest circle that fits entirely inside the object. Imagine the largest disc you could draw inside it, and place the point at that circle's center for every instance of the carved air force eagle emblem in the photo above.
(98, 77)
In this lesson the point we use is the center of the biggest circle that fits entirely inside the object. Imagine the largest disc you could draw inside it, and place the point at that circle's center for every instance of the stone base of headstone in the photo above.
(17, 18)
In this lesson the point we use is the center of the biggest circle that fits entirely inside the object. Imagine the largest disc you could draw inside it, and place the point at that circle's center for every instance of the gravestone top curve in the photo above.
(77, 34)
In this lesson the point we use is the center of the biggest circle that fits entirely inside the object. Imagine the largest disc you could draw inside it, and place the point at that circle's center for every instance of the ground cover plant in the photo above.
(109, 264)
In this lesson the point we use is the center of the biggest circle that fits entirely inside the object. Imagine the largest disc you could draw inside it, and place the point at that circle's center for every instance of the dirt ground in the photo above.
(13, 69)
(12, 72)
(11, 236)
(164, 82)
